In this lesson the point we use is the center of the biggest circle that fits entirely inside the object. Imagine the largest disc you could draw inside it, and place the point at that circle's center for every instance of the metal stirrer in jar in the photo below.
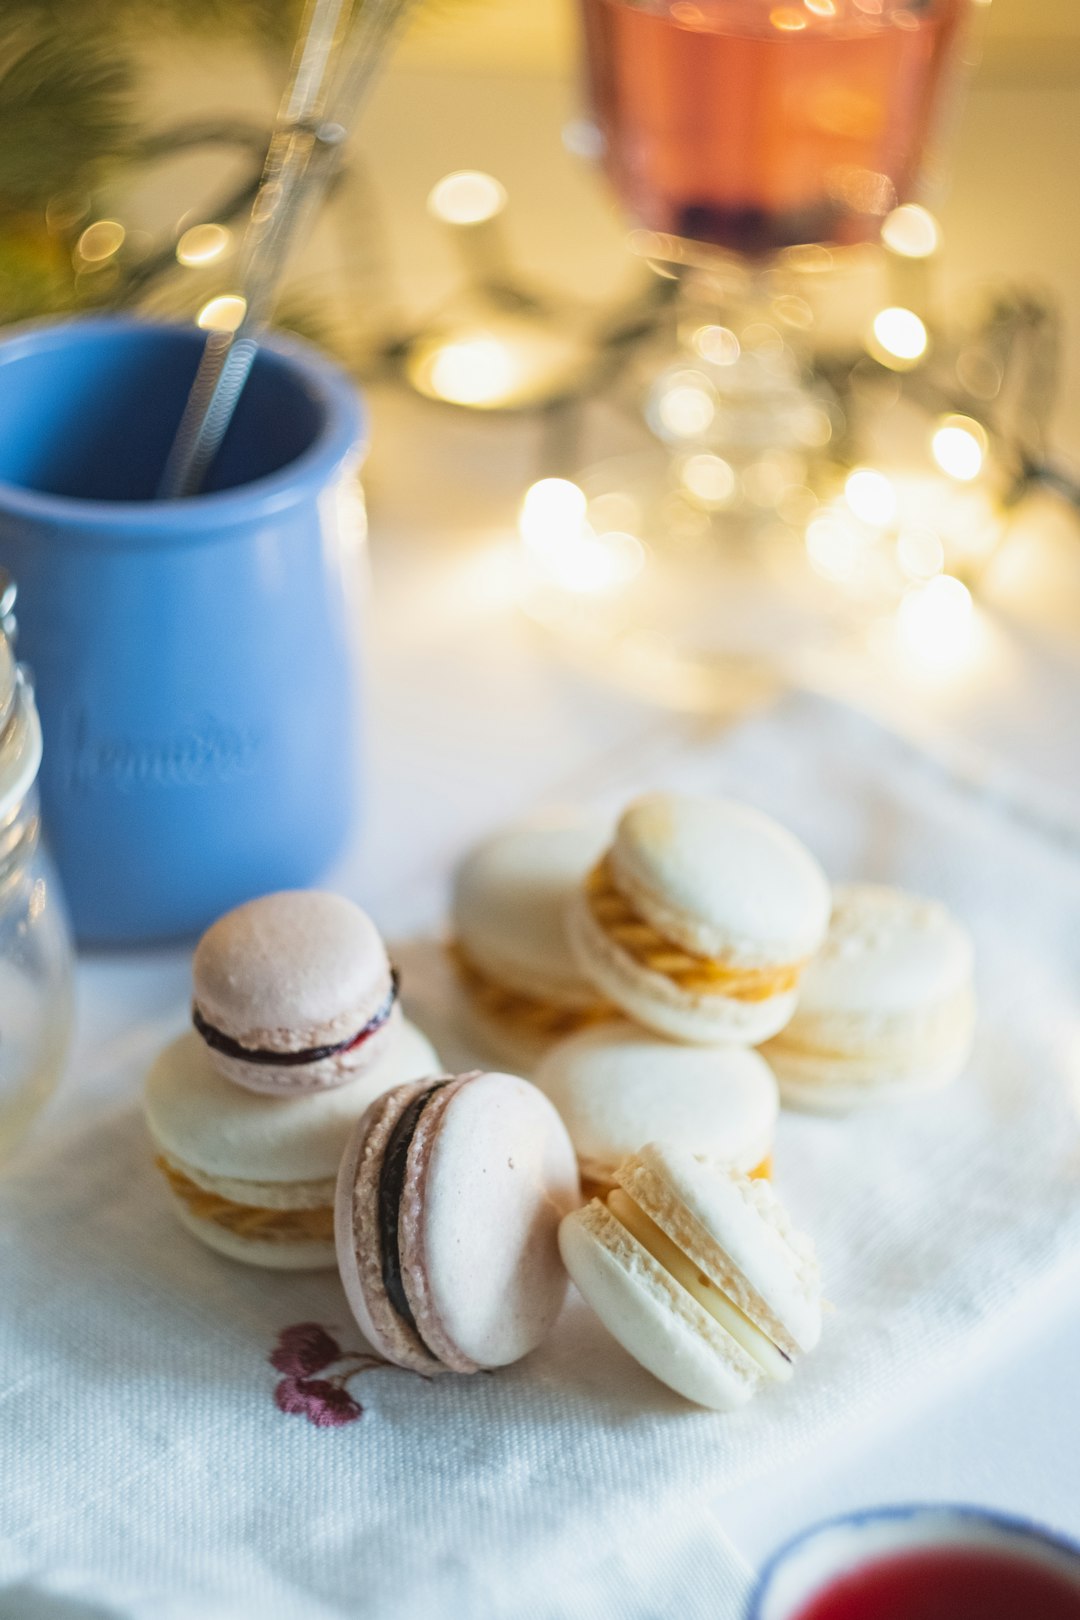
(340, 48)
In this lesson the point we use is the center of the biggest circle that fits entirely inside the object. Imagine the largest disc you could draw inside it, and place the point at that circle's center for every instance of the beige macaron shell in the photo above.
(617, 1087)
(287, 972)
(657, 1002)
(224, 1136)
(652, 1317)
(854, 1070)
(479, 1254)
(886, 1006)
(738, 1233)
(510, 897)
(721, 879)
(313, 1256)
(887, 954)
(356, 1231)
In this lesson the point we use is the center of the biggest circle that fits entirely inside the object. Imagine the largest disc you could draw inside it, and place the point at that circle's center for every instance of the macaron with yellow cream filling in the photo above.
(522, 988)
(700, 919)
(254, 1176)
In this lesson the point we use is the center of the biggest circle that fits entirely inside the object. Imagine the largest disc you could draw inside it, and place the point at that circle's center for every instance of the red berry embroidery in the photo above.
(304, 1349)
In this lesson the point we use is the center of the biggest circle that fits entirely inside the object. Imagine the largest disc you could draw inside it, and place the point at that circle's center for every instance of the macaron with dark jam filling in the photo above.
(449, 1199)
(293, 993)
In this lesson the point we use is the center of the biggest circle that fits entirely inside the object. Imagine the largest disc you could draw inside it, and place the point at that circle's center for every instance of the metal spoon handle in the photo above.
(302, 155)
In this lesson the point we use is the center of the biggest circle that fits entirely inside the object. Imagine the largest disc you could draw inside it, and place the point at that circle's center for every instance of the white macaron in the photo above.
(253, 1175)
(699, 1275)
(886, 1009)
(618, 1086)
(699, 920)
(523, 988)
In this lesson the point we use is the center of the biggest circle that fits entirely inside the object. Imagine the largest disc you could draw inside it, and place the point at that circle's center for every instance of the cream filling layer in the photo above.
(525, 1013)
(747, 1335)
(700, 975)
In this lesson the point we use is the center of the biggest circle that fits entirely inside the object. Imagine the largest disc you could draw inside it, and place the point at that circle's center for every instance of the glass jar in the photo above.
(35, 942)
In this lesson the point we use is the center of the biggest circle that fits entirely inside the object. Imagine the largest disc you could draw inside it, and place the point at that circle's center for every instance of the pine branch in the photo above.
(64, 111)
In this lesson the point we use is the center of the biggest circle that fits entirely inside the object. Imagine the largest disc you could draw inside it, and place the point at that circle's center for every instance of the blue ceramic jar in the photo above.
(195, 661)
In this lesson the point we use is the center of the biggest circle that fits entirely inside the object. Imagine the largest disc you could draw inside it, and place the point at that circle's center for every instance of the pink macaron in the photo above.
(449, 1199)
(294, 992)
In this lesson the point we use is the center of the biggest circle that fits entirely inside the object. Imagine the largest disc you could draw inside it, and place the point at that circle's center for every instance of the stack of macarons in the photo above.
(296, 1029)
(302, 1122)
(634, 970)
(631, 968)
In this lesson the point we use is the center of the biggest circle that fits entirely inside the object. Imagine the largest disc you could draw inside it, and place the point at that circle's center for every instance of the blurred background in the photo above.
(511, 337)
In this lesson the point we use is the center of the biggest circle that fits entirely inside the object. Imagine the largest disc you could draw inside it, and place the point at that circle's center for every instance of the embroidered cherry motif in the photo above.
(304, 1350)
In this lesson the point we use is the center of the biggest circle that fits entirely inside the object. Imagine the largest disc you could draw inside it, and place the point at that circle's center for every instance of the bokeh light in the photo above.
(871, 496)
(466, 197)
(911, 231)
(900, 334)
(222, 314)
(202, 244)
(959, 447)
(100, 241)
(472, 371)
(935, 622)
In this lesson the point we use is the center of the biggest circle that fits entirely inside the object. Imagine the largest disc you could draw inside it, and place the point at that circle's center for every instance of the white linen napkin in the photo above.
(146, 1470)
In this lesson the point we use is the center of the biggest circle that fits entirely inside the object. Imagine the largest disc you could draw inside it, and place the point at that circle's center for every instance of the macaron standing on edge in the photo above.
(254, 1176)
(700, 919)
(617, 1087)
(293, 992)
(449, 1199)
(886, 1009)
(698, 1274)
(523, 987)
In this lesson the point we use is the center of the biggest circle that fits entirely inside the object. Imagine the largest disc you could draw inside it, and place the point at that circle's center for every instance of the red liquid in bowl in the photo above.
(948, 1585)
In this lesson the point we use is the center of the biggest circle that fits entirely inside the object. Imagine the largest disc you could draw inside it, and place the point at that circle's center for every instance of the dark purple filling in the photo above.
(220, 1042)
(391, 1187)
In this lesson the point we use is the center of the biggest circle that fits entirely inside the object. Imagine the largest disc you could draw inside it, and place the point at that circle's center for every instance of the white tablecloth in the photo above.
(145, 1469)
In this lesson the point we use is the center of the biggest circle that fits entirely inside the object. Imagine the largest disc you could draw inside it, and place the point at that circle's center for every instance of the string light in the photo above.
(466, 197)
(202, 244)
(871, 496)
(472, 371)
(709, 479)
(911, 231)
(222, 314)
(935, 622)
(567, 549)
(684, 407)
(551, 506)
(900, 335)
(717, 344)
(100, 241)
(959, 447)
